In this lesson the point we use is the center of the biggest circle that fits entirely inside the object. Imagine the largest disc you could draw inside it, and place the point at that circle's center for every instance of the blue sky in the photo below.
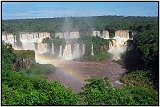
(19, 10)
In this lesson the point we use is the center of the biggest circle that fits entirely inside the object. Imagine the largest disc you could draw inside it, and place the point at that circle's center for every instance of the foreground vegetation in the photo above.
(143, 53)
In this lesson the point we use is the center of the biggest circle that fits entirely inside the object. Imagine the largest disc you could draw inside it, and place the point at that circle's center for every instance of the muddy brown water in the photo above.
(74, 74)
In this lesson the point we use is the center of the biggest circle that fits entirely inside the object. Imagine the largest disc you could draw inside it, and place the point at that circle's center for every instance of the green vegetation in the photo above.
(19, 89)
(25, 54)
(102, 56)
(99, 91)
(29, 87)
(137, 78)
(143, 53)
(82, 24)
(7, 57)
(100, 48)
(37, 69)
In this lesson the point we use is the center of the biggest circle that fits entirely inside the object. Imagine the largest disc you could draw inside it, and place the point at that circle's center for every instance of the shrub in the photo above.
(38, 69)
(136, 78)
(100, 92)
(18, 89)
(102, 55)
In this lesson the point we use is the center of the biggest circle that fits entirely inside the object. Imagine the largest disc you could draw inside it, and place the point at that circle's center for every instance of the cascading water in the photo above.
(110, 44)
(26, 44)
(118, 46)
(67, 54)
(46, 50)
(92, 51)
(76, 52)
(41, 48)
(60, 51)
(83, 49)
(53, 48)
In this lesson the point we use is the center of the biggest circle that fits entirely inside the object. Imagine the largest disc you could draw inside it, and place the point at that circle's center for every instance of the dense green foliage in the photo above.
(143, 52)
(100, 92)
(19, 89)
(25, 54)
(137, 78)
(29, 87)
(102, 55)
(100, 48)
(7, 57)
(82, 24)
(38, 69)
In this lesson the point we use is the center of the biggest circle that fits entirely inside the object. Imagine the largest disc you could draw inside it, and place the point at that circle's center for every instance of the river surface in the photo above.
(72, 73)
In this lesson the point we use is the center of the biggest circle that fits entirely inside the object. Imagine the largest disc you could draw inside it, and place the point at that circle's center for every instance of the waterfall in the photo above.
(76, 52)
(60, 51)
(46, 50)
(15, 39)
(83, 49)
(53, 48)
(67, 54)
(92, 51)
(118, 46)
(110, 45)
(41, 48)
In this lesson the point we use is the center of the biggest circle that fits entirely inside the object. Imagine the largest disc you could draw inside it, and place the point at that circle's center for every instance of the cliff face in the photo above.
(23, 59)
(122, 33)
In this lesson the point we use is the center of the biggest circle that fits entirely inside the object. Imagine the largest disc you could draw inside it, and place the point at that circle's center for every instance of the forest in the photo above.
(81, 24)
(141, 60)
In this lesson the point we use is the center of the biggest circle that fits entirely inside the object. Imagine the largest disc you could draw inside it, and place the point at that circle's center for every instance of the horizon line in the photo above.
(75, 17)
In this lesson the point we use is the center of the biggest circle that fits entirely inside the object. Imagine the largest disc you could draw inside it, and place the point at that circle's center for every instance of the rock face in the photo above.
(122, 33)
(23, 59)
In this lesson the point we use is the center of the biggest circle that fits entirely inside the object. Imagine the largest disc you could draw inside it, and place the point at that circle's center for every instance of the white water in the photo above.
(92, 51)
(117, 47)
(60, 51)
(67, 53)
(83, 49)
(53, 48)
(105, 35)
(46, 50)
(76, 52)
(41, 48)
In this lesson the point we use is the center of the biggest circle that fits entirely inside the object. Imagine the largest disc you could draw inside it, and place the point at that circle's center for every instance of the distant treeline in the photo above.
(82, 24)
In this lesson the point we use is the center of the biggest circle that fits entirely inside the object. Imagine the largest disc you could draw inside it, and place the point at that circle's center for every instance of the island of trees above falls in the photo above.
(129, 41)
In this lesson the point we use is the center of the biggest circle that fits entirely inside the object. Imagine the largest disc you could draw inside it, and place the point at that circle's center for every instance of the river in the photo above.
(72, 73)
